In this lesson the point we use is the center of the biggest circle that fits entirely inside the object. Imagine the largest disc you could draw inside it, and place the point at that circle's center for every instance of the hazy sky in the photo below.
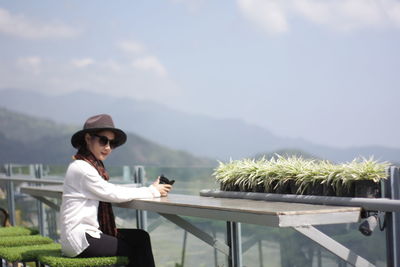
(324, 70)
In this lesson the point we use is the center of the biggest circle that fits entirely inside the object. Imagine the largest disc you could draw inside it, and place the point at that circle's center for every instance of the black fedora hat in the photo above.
(98, 123)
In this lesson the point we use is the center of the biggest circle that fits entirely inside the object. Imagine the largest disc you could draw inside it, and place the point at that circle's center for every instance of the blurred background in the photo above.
(197, 81)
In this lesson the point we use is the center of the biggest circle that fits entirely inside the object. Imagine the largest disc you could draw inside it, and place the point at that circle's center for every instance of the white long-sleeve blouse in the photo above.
(83, 189)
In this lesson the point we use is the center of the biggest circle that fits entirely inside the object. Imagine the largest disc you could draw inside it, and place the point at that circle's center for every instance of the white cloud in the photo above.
(392, 10)
(344, 15)
(131, 47)
(269, 14)
(191, 5)
(20, 26)
(30, 64)
(118, 78)
(142, 59)
(83, 62)
(112, 65)
(150, 63)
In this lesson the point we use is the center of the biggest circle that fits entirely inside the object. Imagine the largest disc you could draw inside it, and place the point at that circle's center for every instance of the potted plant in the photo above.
(359, 178)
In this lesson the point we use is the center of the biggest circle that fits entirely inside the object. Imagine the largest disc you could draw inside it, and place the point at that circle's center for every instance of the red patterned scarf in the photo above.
(105, 214)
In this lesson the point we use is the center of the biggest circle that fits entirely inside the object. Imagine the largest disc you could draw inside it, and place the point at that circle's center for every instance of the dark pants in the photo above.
(133, 243)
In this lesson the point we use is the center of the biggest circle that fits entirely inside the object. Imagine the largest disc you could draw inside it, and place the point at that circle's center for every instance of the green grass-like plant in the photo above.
(17, 231)
(249, 174)
(55, 259)
(27, 253)
(14, 241)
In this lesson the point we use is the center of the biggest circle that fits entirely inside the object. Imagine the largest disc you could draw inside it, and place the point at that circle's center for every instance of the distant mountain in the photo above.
(196, 134)
(27, 139)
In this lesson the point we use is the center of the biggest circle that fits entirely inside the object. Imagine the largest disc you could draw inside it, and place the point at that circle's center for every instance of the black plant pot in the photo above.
(316, 189)
(271, 187)
(283, 188)
(259, 188)
(329, 190)
(294, 188)
(247, 189)
(345, 190)
(222, 187)
(228, 187)
(367, 188)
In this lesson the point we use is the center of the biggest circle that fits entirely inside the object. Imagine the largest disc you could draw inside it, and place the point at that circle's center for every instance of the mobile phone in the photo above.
(165, 180)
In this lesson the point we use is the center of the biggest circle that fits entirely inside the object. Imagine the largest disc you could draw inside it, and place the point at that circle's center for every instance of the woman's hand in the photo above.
(162, 188)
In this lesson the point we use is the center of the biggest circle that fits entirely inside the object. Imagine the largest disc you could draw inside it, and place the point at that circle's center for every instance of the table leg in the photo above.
(333, 246)
(234, 242)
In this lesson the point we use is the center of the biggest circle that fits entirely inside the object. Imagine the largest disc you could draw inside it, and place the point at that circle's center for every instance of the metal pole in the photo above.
(10, 195)
(32, 171)
(260, 253)
(392, 191)
(39, 204)
(214, 234)
(126, 173)
(141, 215)
(184, 248)
(234, 242)
(319, 258)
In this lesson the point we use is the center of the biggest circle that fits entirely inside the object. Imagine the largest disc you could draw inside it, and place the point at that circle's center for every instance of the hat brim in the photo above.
(77, 139)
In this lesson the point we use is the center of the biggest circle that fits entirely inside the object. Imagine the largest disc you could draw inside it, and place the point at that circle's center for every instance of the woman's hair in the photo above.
(83, 150)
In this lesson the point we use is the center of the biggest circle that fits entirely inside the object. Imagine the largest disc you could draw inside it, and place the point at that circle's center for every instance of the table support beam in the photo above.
(197, 232)
(155, 224)
(333, 246)
(49, 203)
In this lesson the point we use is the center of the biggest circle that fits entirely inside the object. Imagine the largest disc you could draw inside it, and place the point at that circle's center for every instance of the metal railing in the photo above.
(36, 175)
(389, 205)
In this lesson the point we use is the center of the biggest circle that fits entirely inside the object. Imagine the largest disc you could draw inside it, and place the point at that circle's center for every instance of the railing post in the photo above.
(126, 173)
(234, 241)
(39, 204)
(10, 195)
(32, 171)
(392, 191)
(141, 215)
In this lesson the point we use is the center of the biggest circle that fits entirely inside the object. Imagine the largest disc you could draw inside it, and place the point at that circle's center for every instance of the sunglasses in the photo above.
(103, 141)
